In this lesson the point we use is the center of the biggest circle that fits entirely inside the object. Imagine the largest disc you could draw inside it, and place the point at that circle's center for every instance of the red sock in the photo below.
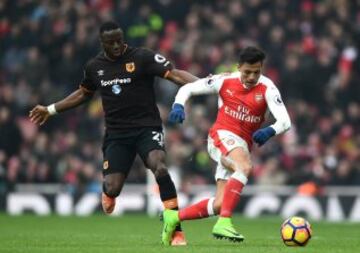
(232, 193)
(196, 211)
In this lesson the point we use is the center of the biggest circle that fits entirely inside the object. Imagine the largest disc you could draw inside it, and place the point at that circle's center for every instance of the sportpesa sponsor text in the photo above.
(115, 81)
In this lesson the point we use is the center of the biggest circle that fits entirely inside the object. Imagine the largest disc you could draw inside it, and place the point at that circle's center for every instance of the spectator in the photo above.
(313, 52)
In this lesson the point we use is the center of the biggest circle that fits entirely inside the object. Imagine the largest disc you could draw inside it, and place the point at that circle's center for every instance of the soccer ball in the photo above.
(295, 231)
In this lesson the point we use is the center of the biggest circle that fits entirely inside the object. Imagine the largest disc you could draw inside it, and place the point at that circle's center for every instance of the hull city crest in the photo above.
(130, 67)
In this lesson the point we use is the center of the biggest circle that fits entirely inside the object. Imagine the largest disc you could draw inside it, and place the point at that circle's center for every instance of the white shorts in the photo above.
(221, 144)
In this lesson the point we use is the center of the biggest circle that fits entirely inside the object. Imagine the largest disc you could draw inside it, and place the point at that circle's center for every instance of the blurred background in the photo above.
(312, 51)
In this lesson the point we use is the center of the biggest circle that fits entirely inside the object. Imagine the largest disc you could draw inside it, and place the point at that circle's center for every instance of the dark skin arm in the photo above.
(39, 114)
(180, 77)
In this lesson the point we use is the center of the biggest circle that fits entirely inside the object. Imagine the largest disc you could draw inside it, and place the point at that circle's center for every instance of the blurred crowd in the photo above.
(312, 55)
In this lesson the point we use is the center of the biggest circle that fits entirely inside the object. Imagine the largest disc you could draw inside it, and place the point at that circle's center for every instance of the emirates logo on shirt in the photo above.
(242, 113)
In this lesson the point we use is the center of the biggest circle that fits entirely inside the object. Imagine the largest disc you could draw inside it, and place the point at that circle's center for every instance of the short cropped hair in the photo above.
(251, 55)
(109, 26)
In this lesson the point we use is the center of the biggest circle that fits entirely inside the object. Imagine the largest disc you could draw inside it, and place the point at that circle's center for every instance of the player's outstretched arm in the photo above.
(202, 86)
(180, 77)
(39, 114)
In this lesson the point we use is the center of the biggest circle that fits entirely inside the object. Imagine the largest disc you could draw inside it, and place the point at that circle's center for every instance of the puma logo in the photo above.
(229, 92)
(235, 191)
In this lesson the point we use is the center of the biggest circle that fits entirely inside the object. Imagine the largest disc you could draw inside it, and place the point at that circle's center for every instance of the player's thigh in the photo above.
(222, 142)
(229, 149)
(150, 146)
(118, 157)
(216, 153)
(222, 173)
(240, 157)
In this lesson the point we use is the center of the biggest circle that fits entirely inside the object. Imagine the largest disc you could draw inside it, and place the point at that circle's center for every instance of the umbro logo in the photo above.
(100, 72)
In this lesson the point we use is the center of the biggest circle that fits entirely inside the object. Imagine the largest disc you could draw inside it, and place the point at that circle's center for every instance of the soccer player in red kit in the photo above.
(244, 98)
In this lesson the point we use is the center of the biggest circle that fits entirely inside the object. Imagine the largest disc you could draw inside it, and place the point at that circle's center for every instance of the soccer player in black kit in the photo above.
(124, 76)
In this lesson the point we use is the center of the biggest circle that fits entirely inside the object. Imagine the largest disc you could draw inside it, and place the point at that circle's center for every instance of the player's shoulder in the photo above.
(143, 51)
(95, 61)
(134, 50)
(230, 75)
(225, 76)
(267, 82)
(146, 54)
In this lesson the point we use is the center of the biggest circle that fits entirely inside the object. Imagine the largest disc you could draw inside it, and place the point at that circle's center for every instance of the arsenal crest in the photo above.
(130, 67)
(258, 97)
(230, 142)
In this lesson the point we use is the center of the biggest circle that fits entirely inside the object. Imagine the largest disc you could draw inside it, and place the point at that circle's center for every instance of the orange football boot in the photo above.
(108, 203)
(178, 239)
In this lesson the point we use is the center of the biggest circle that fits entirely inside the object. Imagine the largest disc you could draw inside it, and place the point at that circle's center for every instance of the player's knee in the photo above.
(245, 168)
(111, 189)
(160, 171)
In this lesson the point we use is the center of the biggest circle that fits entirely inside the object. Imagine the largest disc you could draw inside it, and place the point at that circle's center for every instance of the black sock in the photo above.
(106, 192)
(104, 189)
(168, 192)
(166, 188)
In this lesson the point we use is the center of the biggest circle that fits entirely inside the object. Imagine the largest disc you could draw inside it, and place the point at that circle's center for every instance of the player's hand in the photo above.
(263, 135)
(39, 114)
(177, 114)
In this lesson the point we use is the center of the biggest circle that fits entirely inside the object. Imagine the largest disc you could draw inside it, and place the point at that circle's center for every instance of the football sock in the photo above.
(105, 191)
(168, 194)
(232, 193)
(199, 210)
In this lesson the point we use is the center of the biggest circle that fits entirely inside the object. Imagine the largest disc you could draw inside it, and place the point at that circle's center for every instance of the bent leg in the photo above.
(231, 153)
(206, 207)
(112, 186)
(172, 232)
(219, 196)
(118, 158)
(156, 163)
(238, 161)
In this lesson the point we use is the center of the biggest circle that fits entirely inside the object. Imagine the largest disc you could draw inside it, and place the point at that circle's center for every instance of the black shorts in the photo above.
(120, 149)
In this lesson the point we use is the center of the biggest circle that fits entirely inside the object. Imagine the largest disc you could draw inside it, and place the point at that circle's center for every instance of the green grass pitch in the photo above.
(139, 233)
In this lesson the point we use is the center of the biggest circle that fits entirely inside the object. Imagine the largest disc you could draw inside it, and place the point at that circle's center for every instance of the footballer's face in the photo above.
(113, 43)
(250, 73)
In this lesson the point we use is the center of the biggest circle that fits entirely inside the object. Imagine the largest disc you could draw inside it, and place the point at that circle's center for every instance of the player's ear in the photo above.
(101, 38)
(239, 66)
(101, 41)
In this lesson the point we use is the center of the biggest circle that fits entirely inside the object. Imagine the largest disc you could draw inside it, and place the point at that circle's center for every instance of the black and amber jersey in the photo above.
(127, 87)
